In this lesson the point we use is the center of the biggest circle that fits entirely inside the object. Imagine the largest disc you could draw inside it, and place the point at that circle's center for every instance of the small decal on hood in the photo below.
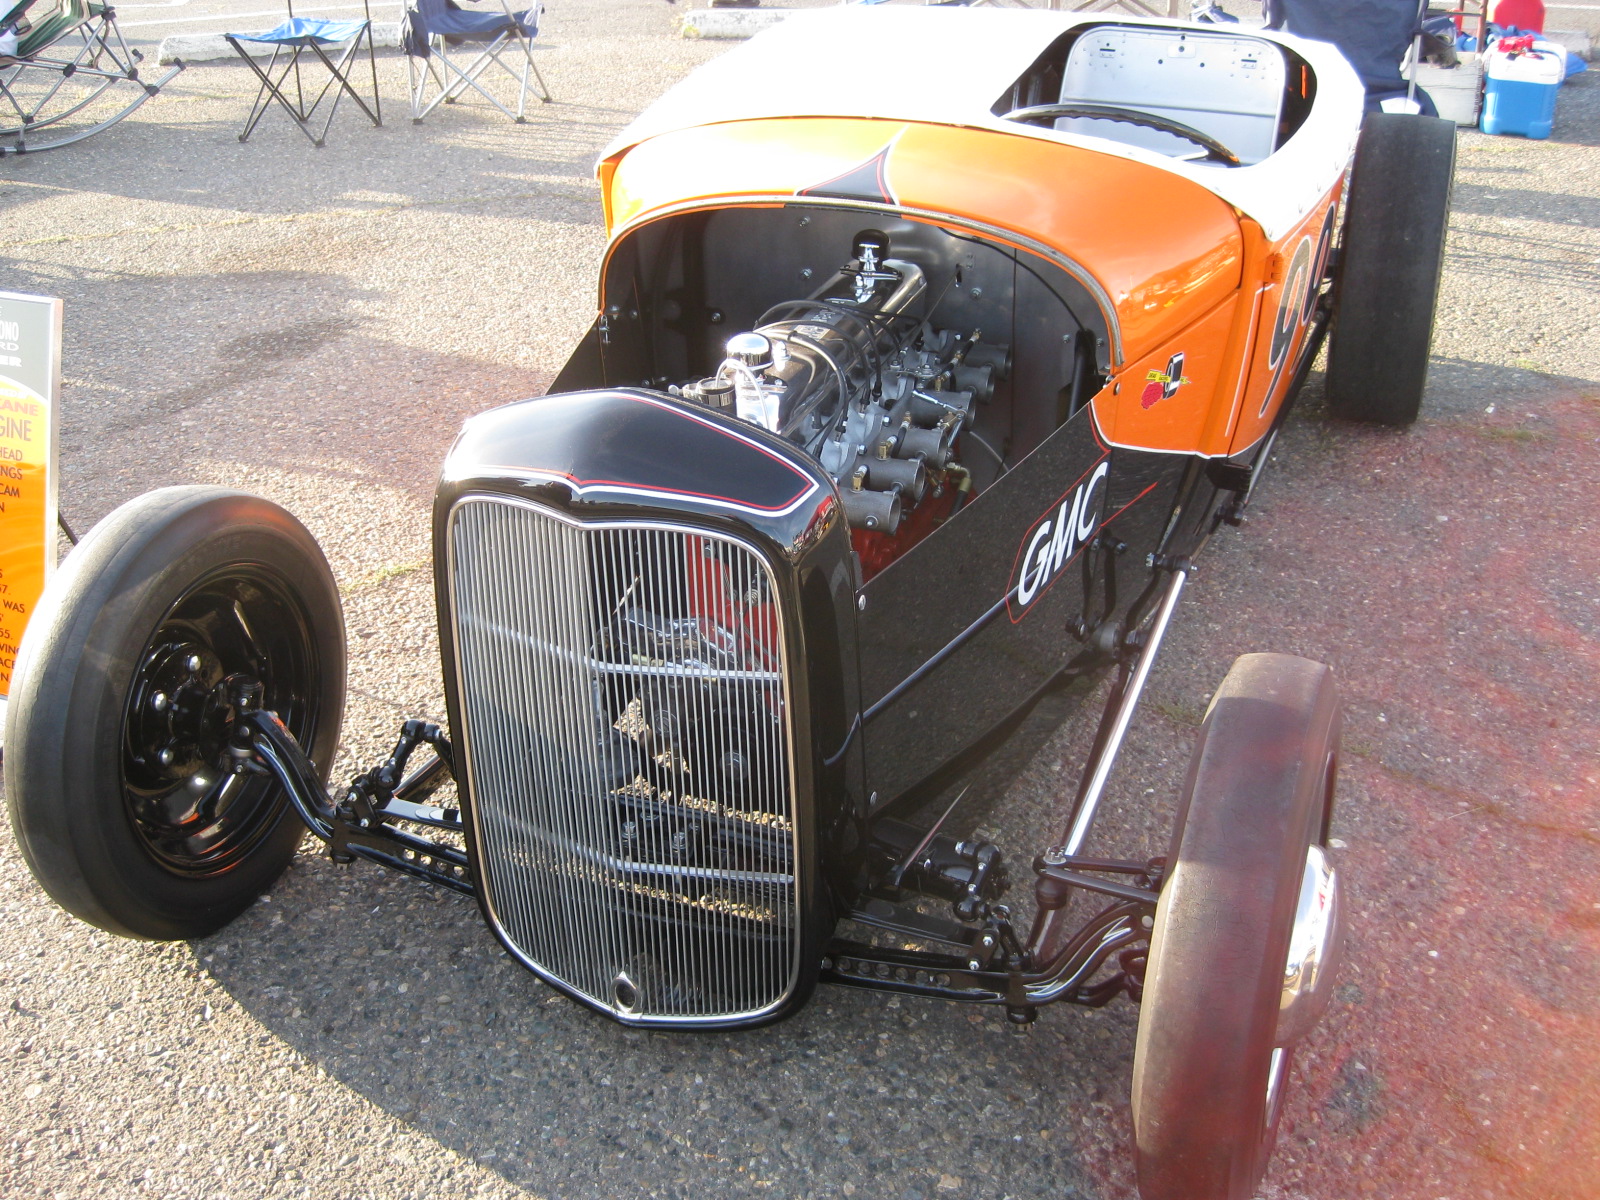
(1163, 385)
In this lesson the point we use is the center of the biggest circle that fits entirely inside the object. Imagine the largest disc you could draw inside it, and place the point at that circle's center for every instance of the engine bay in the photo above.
(920, 368)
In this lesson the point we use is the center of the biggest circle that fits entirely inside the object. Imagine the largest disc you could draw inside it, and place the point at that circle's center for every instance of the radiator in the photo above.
(624, 697)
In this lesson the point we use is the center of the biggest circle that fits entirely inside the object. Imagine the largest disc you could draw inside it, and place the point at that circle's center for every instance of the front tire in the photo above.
(1216, 1031)
(117, 726)
(1389, 268)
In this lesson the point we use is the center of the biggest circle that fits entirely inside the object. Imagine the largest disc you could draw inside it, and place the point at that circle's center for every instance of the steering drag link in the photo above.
(358, 826)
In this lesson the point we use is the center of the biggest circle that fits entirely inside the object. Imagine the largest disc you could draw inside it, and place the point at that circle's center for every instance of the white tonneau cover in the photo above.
(949, 65)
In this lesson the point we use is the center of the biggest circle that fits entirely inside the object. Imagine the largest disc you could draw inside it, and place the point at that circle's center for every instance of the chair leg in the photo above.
(416, 86)
(372, 63)
(461, 83)
(263, 100)
(544, 92)
(27, 114)
(146, 90)
(527, 54)
(469, 77)
(272, 88)
(420, 76)
(333, 77)
(494, 53)
(337, 73)
(522, 94)
(454, 80)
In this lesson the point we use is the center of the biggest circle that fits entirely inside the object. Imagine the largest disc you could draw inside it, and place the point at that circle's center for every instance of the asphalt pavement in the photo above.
(314, 325)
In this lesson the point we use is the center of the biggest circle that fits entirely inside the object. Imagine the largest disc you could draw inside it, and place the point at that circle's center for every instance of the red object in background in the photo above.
(1526, 15)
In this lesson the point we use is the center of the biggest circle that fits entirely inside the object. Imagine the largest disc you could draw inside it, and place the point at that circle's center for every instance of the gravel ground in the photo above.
(313, 325)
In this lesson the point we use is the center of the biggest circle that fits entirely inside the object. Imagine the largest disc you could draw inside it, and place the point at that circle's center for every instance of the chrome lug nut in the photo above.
(159, 702)
(166, 756)
(192, 664)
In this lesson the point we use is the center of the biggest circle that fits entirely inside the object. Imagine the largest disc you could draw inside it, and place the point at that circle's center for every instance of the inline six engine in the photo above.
(876, 394)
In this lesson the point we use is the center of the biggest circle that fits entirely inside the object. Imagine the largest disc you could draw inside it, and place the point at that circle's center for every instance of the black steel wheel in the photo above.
(1246, 937)
(1390, 264)
(116, 761)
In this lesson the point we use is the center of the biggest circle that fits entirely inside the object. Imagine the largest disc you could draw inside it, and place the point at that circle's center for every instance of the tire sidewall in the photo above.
(1385, 297)
(75, 670)
(1222, 931)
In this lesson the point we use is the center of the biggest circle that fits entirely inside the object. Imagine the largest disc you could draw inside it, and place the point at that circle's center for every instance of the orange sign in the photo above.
(30, 381)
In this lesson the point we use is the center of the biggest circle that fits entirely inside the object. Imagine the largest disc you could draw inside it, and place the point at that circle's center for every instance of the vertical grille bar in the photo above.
(625, 706)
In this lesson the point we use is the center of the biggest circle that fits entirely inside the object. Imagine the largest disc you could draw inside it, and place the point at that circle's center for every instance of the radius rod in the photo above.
(1048, 936)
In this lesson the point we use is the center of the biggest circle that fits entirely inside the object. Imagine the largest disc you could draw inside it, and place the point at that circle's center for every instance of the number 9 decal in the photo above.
(1297, 300)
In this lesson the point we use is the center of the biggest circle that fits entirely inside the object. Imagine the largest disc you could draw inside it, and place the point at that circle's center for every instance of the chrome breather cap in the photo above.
(754, 350)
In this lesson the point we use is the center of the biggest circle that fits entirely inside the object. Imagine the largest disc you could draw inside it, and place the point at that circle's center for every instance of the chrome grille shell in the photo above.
(650, 933)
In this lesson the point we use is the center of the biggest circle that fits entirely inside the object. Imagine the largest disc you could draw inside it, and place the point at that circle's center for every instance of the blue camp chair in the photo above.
(434, 28)
(65, 59)
(290, 42)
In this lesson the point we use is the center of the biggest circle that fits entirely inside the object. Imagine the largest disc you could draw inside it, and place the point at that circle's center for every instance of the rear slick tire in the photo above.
(117, 726)
(1390, 264)
(1208, 1068)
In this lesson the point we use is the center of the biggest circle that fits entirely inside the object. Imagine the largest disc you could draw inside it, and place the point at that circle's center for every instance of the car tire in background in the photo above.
(1247, 895)
(1396, 212)
(117, 726)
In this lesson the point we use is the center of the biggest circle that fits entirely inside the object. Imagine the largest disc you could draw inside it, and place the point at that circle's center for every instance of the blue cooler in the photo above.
(1519, 91)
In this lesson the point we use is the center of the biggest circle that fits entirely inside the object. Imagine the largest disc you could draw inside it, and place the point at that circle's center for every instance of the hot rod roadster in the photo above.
(913, 394)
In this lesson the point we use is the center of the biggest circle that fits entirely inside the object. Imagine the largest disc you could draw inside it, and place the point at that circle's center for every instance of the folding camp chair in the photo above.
(433, 28)
(57, 59)
(291, 41)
